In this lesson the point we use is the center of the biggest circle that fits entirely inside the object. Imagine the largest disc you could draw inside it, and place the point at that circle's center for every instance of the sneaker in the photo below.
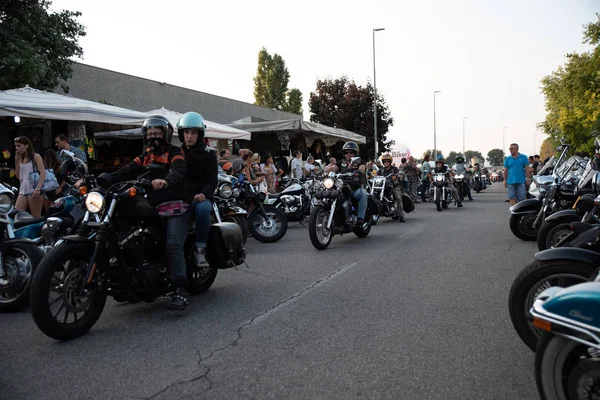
(200, 257)
(178, 300)
(470, 198)
(459, 205)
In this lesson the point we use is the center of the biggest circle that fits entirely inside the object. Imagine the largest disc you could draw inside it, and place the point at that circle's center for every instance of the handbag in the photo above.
(50, 182)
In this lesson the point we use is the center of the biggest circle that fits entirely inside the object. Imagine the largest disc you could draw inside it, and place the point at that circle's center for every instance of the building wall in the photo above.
(135, 93)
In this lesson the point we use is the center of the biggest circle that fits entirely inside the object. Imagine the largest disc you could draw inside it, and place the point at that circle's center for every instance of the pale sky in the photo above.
(487, 57)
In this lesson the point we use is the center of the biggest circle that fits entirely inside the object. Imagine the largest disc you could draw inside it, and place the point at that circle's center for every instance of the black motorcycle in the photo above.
(122, 256)
(266, 223)
(381, 189)
(336, 212)
(440, 192)
(225, 208)
(294, 200)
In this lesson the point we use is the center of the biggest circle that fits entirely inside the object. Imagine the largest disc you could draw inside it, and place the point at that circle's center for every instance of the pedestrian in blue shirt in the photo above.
(516, 174)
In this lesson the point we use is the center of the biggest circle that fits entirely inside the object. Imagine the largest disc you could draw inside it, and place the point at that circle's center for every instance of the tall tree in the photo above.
(293, 103)
(36, 45)
(548, 148)
(271, 84)
(430, 152)
(495, 157)
(341, 103)
(572, 95)
(451, 159)
(470, 154)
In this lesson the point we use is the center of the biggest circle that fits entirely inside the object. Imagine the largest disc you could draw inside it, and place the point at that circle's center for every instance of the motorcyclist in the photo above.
(202, 172)
(168, 185)
(442, 168)
(459, 168)
(350, 150)
(483, 172)
(390, 172)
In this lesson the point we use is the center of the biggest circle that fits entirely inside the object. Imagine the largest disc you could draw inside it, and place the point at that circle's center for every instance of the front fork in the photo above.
(541, 213)
(331, 212)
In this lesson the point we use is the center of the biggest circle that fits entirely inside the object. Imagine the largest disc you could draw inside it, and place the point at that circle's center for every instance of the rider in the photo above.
(168, 185)
(388, 169)
(441, 168)
(476, 169)
(460, 169)
(202, 173)
(350, 150)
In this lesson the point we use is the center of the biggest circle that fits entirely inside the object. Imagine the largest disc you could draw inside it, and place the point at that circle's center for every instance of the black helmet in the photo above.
(352, 146)
(459, 159)
(161, 122)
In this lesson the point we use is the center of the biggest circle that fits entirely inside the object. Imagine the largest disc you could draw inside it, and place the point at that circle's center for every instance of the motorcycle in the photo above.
(461, 184)
(336, 212)
(567, 364)
(381, 191)
(224, 205)
(266, 223)
(294, 200)
(440, 192)
(122, 256)
(478, 180)
(528, 215)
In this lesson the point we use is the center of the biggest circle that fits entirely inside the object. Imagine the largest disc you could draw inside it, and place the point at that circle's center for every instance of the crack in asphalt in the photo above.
(239, 330)
(270, 276)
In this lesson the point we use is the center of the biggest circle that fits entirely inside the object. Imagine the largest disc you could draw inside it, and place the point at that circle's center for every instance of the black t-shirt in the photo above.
(443, 170)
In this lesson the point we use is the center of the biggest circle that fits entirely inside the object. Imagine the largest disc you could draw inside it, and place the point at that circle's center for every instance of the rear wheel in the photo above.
(267, 227)
(320, 235)
(199, 279)
(57, 308)
(19, 261)
(533, 280)
(551, 233)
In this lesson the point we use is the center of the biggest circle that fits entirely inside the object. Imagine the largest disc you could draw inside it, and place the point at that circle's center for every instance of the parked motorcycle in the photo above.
(224, 204)
(266, 223)
(567, 363)
(440, 192)
(336, 212)
(123, 256)
(294, 200)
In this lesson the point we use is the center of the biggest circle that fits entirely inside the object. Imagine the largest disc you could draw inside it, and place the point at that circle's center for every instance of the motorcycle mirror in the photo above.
(68, 153)
(563, 140)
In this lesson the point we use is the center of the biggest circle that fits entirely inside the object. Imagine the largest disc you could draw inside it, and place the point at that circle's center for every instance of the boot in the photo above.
(470, 197)
(459, 204)
(178, 299)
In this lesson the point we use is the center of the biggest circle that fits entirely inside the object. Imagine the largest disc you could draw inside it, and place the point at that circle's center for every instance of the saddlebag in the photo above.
(407, 203)
(225, 247)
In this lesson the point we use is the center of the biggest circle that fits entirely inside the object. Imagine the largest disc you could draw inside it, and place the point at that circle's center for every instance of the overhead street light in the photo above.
(434, 132)
(375, 95)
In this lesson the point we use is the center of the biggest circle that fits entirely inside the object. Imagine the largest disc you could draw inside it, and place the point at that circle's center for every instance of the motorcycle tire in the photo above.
(32, 255)
(240, 221)
(41, 285)
(256, 218)
(444, 205)
(361, 232)
(557, 356)
(438, 201)
(531, 281)
(518, 224)
(315, 214)
(551, 233)
(198, 281)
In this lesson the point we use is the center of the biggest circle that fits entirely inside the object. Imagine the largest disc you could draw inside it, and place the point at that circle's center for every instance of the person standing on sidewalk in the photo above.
(516, 174)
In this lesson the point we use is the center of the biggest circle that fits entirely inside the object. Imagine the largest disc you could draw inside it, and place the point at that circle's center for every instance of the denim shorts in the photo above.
(516, 191)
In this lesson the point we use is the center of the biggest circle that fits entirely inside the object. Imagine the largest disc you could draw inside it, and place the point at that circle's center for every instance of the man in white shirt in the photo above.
(309, 166)
(297, 171)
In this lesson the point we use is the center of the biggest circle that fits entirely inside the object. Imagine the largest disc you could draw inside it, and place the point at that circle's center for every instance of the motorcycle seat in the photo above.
(23, 218)
(274, 195)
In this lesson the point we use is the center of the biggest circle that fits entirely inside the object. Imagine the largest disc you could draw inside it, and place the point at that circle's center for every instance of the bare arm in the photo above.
(39, 163)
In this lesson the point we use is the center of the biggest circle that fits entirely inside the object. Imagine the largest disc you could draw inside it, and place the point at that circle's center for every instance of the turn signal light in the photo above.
(132, 191)
(83, 190)
(542, 324)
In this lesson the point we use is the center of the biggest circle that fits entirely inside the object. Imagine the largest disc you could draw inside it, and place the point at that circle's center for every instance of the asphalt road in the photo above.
(413, 311)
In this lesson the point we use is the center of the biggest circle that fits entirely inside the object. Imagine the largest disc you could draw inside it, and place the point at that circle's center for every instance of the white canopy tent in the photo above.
(312, 130)
(32, 103)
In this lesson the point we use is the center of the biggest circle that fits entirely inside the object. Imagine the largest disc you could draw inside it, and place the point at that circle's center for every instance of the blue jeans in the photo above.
(177, 229)
(202, 210)
(363, 199)
(516, 191)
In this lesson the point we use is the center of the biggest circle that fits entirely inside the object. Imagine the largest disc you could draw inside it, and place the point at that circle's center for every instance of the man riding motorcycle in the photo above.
(169, 185)
(460, 169)
(350, 150)
(388, 169)
(442, 168)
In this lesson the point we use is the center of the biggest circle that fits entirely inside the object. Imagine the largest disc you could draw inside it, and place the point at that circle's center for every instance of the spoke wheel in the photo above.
(19, 262)
(320, 236)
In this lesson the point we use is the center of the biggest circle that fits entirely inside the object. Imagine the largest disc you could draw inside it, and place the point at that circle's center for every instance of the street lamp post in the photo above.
(434, 133)
(375, 95)
(464, 135)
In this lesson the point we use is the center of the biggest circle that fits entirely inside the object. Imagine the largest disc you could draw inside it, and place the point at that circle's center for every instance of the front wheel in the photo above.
(521, 225)
(533, 280)
(438, 199)
(267, 227)
(320, 235)
(57, 308)
(19, 261)
(551, 233)
(565, 369)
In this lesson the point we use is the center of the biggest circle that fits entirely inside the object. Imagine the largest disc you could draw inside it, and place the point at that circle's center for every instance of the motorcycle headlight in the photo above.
(328, 183)
(597, 201)
(6, 203)
(460, 176)
(94, 202)
(439, 178)
(236, 192)
(225, 191)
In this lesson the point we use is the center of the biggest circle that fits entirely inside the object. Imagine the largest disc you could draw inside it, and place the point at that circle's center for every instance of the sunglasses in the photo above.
(349, 152)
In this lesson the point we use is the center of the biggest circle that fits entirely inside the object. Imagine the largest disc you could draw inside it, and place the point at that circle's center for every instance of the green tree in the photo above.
(495, 157)
(470, 154)
(293, 103)
(341, 103)
(271, 84)
(36, 45)
(548, 148)
(430, 152)
(452, 157)
(572, 94)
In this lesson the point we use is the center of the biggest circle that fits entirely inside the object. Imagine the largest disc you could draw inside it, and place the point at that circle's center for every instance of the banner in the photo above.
(400, 151)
